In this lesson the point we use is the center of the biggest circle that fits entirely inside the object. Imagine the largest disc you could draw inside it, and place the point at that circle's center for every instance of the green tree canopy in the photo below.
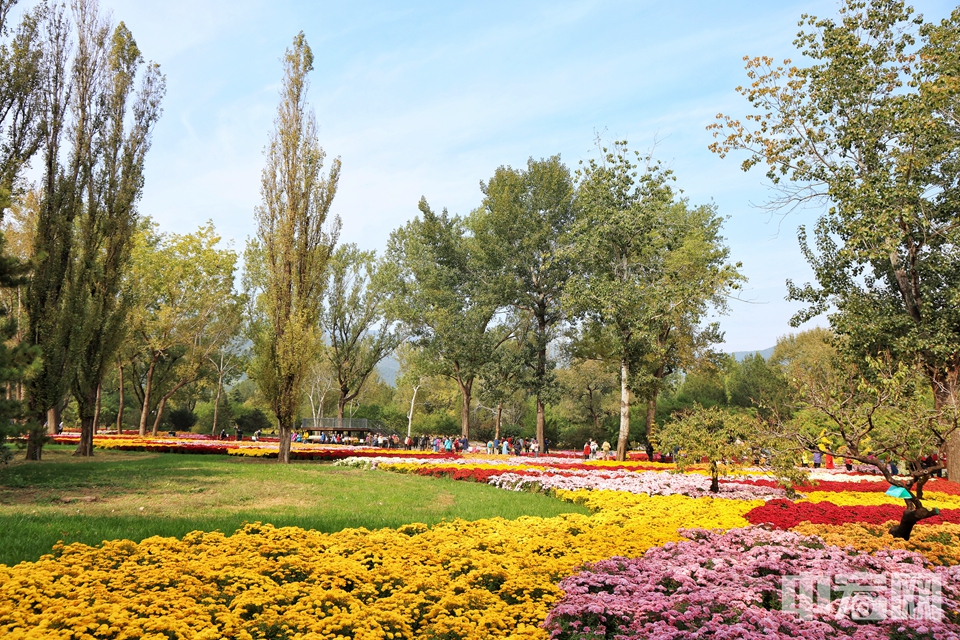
(649, 268)
(528, 215)
(446, 291)
(181, 286)
(868, 128)
(359, 333)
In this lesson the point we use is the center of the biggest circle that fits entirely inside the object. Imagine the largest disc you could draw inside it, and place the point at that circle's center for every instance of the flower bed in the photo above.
(487, 579)
(207, 445)
(784, 514)
(496, 578)
(940, 545)
(729, 586)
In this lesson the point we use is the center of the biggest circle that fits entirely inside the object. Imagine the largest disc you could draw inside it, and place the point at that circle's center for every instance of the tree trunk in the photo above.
(216, 405)
(97, 406)
(341, 403)
(911, 516)
(36, 438)
(120, 410)
(541, 422)
(145, 411)
(413, 402)
(163, 402)
(499, 422)
(623, 440)
(714, 478)
(541, 312)
(651, 417)
(465, 391)
(53, 419)
(283, 456)
(86, 407)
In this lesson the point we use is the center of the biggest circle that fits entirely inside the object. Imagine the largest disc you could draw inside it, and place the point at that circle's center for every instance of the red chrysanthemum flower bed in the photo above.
(784, 514)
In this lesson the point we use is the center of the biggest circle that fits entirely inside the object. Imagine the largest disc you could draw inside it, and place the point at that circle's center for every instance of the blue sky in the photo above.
(429, 98)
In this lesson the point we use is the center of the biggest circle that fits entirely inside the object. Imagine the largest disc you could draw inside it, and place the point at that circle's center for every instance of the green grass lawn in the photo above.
(134, 496)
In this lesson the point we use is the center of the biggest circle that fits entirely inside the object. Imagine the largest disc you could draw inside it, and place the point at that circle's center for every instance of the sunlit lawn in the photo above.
(137, 495)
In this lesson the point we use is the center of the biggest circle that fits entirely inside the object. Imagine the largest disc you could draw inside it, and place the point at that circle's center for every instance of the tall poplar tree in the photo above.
(294, 242)
(98, 128)
(21, 67)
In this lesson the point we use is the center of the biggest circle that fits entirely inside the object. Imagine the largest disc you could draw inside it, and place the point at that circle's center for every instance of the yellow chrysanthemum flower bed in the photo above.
(931, 499)
(490, 578)
(939, 544)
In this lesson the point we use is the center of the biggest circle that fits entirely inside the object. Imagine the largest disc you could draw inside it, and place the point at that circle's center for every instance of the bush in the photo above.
(253, 420)
(182, 419)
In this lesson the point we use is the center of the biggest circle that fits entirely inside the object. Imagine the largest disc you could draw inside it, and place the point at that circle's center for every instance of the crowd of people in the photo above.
(516, 446)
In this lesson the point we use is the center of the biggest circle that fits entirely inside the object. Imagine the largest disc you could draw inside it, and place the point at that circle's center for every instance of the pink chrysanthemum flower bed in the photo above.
(729, 586)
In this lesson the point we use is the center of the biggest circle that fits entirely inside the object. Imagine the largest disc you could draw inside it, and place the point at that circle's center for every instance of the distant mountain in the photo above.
(740, 355)
(388, 369)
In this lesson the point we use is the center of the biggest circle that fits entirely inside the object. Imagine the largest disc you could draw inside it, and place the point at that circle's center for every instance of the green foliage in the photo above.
(728, 439)
(439, 281)
(590, 391)
(528, 213)
(286, 263)
(439, 423)
(16, 358)
(359, 333)
(181, 287)
(22, 59)
(102, 106)
(250, 420)
(758, 384)
(651, 267)
(724, 437)
(182, 419)
(870, 127)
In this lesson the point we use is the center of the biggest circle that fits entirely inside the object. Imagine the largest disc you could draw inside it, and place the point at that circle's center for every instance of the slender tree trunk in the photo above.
(53, 419)
(465, 391)
(341, 403)
(163, 402)
(216, 405)
(541, 371)
(623, 440)
(651, 417)
(120, 410)
(148, 385)
(496, 434)
(413, 402)
(541, 422)
(97, 406)
(156, 421)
